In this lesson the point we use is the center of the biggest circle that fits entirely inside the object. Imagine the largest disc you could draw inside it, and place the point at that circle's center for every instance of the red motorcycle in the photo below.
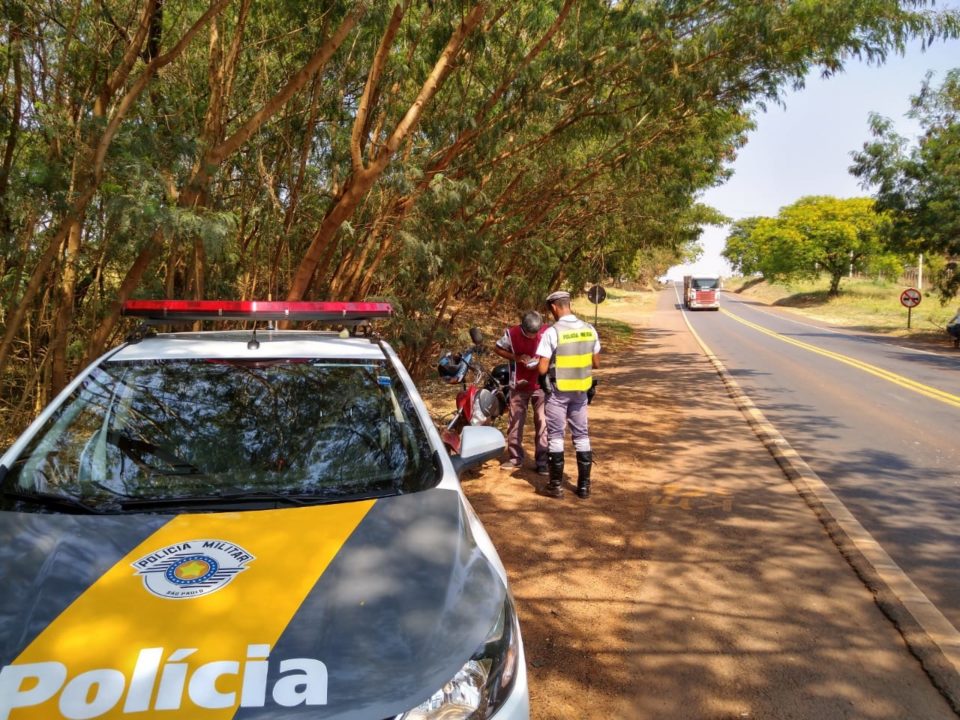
(485, 394)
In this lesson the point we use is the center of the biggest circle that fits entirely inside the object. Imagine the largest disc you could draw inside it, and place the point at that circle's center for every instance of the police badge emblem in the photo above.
(191, 569)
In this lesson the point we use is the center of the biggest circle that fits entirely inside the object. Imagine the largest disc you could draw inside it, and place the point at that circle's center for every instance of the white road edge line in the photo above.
(929, 635)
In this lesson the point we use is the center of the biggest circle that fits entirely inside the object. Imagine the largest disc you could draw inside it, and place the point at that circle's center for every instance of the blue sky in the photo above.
(804, 147)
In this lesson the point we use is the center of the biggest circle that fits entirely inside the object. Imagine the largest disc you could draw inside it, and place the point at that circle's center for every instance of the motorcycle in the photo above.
(485, 394)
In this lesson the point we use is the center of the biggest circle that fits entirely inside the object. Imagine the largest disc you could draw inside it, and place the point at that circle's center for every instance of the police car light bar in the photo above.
(171, 311)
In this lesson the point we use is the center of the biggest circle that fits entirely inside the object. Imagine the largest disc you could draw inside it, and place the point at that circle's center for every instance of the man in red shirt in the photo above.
(519, 346)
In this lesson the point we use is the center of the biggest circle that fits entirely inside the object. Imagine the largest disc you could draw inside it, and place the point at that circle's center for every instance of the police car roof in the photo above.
(234, 344)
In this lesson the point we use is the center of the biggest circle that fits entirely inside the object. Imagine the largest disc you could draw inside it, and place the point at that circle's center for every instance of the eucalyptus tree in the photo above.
(110, 146)
(90, 69)
(434, 153)
(228, 124)
(369, 156)
(466, 115)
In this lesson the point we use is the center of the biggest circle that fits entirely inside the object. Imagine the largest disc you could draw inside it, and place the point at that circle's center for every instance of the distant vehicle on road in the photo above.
(701, 293)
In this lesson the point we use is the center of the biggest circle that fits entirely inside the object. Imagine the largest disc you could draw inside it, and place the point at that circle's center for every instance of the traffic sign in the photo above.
(910, 298)
(596, 294)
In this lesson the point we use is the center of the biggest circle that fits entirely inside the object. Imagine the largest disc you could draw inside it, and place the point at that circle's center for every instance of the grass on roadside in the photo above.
(867, 305)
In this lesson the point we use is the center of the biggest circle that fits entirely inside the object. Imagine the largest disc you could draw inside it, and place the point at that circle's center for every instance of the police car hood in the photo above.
(346, 611)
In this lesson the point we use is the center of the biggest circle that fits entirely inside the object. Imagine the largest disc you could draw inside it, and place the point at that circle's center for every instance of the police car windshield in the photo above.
(165, 429)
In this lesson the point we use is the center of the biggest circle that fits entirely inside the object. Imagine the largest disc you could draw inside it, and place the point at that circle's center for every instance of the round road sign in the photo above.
(596, 294)
(910, 298)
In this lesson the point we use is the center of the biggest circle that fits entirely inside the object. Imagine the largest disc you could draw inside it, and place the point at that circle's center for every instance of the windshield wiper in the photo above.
(50, 500)
(213, 500)
(244, 497)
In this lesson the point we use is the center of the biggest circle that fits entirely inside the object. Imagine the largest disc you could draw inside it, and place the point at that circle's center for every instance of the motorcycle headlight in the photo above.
(478, 416)
(483, 683)
(483, 407)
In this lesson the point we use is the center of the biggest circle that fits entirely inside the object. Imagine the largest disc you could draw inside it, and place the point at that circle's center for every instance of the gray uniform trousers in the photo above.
(567, 409)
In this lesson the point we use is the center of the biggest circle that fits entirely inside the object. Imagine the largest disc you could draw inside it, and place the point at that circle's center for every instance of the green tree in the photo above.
(742, 248)
(815, 234)
(919, 186)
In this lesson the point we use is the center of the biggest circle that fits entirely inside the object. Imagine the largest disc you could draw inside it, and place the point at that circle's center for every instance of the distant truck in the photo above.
(701, 293)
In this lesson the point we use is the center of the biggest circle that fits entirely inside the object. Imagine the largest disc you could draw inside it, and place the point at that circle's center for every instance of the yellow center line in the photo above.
(926, 390)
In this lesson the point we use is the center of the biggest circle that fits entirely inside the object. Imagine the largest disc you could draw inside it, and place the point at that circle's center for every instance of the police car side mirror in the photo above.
(477, 445)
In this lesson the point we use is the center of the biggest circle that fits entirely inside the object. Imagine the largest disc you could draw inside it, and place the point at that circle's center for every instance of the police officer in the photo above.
(569, 352)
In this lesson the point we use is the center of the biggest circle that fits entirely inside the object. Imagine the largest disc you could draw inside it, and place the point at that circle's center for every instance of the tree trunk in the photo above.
(6, 224)
(364, 176)
(215, 157)
(98, 341)
(92, 178)
(427, 341)
(16, 318)
(360, 286)
(64, 318)
(835, 277)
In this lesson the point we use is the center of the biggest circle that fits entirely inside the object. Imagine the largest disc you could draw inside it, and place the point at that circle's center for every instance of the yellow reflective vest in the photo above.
(574, 356)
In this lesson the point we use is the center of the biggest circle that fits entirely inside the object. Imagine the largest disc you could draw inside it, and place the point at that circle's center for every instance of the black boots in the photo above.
(554, 486)
(584, 463)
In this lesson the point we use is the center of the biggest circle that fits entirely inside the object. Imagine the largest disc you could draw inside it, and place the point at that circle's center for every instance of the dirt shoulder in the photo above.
(695, 583)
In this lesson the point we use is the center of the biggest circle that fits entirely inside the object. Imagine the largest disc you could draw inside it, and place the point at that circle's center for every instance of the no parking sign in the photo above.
(910, 298)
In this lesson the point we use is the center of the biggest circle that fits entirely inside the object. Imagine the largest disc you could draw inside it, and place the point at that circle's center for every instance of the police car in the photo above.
(250, 524)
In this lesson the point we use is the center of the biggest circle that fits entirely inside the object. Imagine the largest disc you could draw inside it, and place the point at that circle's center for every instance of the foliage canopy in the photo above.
(813, 235)
(919, 186)
(431, 153)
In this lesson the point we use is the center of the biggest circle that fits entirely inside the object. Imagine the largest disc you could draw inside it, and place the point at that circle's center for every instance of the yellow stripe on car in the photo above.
(185, 622)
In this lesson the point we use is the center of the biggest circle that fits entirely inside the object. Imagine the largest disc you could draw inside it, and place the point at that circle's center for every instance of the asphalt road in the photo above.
(878, 422)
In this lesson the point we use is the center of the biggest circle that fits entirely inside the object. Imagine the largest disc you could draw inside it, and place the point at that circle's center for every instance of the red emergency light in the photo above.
(172, 311)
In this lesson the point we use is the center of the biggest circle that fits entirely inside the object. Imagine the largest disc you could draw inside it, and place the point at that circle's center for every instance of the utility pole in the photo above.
(920, 273)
